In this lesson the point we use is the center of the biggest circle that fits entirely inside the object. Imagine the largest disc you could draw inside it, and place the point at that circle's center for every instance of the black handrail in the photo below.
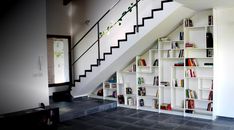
(98, 29)
(100, 34)
(95, 25)
(85, 52)
(90, 29)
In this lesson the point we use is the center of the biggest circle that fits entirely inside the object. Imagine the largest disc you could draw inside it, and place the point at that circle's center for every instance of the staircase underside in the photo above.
(135, 45)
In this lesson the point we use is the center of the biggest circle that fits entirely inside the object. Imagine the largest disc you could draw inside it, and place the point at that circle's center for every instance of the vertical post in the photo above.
(98, 35)
(137, 16)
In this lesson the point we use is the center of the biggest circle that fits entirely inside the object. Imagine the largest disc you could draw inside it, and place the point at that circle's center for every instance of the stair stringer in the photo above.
(163, 23)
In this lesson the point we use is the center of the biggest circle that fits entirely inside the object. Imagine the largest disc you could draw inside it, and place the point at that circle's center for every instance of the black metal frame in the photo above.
(70, 59)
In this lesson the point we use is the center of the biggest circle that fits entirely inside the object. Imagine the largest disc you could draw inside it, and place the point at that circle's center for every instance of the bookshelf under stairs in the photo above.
(175, 76)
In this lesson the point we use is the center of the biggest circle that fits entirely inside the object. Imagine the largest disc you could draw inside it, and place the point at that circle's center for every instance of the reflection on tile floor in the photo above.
(80, 107)
(130, 119)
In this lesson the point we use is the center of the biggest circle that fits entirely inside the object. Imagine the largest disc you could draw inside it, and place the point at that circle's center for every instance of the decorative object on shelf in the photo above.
(155, 103)
(166, 106)
(210, 20)
(189, 45)
(165, 83)
(141, 91)
(156, 81)
(141, 102)
(179, 64)
(121, 99)
(100, 92)
(114, 94)
(181, 35)
(130, 101)
(176, 84)
(113, 78)
(128, 90)
(174, 45)
(140, 80)
(188, 22)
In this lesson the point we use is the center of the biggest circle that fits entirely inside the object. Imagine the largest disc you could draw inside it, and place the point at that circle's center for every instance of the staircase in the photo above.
(159, 23)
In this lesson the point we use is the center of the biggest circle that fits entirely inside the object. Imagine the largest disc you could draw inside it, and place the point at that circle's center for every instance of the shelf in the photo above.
(178, 87)
(201, 100)
(111, 89)
(144, 72)
(127, 72)
(205, 67)
(110, 98)
(127, 106)
(208, 78)
(177, 108)
(199, 27)
(205, 89)
(95, 96)
(192, 48)
(165, 86)
(148, 86)
(177, 67)
(171, 58)
(180, 41)
(148, 96)
(198, 57)
(153, 50)
(130, 95)
(199, 110)
(143, 66)
(171, 49)
(148, 108)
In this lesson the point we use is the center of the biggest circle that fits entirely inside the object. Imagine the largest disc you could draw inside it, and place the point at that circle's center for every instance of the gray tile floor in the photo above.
(80, 107)
(130, 119)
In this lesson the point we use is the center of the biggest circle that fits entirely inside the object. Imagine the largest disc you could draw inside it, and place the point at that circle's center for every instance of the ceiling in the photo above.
(206, 4)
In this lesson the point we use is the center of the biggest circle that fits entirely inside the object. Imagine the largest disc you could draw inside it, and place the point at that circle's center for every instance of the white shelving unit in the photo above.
(126, 86)
(183, 69)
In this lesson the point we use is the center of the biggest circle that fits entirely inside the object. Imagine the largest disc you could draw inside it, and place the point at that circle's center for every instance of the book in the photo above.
(121, 99)
(141, 102)
(142, 62)
(155, 62)
(210, 106)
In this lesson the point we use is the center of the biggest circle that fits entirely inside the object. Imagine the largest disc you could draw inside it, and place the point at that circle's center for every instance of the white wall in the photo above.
(224, 85)
(23, 56)
(58, 17)
(91, 10)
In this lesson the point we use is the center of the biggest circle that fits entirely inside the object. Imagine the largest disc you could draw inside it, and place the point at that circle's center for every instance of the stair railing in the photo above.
(98, 35)
(102, 34)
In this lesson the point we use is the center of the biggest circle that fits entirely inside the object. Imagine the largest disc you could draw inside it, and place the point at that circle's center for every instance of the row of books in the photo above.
(141, 80)
(180, 84)
(190, 73)
(142, 62)
(156, 81)
(188, 45)
(141, 91)
(191, 62)
(191, 94)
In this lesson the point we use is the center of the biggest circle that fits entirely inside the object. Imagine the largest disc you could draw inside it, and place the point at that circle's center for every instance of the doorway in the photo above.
(59, 60)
